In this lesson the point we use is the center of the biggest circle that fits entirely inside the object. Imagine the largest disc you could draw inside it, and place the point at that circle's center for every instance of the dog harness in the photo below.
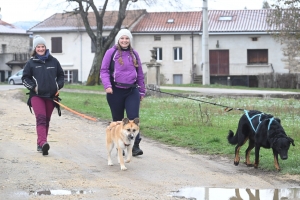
(259, 120)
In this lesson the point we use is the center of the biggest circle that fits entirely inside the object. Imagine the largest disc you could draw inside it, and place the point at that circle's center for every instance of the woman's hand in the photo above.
(109, 90)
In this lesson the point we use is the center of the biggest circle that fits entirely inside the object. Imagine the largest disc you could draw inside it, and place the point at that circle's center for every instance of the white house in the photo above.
(239, 44)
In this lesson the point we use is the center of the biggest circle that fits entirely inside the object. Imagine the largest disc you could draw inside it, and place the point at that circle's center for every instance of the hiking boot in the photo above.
(45, 148)
(136, 151)
(39, 148)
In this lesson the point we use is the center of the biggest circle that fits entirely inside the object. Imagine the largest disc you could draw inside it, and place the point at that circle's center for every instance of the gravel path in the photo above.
(77, 163)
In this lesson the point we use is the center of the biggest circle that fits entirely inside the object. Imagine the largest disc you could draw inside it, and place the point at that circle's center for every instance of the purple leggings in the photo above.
(43, 109)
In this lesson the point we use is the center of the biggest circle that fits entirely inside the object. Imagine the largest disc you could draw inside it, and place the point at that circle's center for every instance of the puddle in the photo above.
(59, 192)
(200, 193)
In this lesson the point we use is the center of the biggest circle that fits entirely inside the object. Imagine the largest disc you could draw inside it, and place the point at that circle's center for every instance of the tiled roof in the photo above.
(68, 21)
(169, 22)
(241, 21)
(164, 22)
(9, 28)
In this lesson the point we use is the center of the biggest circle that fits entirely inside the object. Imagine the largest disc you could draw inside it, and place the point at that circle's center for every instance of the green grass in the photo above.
(201, 127)
(100, 87)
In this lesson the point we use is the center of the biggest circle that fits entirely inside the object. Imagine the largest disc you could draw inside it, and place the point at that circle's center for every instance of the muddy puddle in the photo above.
(58, 192)
(200, 193)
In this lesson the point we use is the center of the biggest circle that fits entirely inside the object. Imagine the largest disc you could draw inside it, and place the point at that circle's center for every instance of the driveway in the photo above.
(10, 87)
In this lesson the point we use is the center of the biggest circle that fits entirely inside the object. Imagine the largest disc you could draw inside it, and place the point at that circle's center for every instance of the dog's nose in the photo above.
(284, 157)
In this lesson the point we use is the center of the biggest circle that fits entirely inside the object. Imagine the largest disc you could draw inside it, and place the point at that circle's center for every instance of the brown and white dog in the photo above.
(121, 134)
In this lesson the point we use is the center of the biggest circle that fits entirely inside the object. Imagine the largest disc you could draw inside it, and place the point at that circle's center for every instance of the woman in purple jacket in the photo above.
(122, 76)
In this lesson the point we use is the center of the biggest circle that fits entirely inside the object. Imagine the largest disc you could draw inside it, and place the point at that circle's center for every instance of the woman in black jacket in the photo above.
(44, 77)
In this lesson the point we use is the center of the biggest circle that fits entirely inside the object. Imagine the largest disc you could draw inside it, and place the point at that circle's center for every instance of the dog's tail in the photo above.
(232, 139)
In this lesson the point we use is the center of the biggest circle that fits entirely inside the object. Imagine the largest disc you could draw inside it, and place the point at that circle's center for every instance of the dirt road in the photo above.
(77, 163)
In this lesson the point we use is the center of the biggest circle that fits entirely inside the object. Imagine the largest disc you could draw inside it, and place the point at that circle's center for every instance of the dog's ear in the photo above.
(278, 120)
(291, 141)
(136, 121)
(125, 121)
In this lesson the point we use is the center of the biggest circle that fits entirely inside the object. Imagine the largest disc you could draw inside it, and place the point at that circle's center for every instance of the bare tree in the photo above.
(101, 44)
(266, 5)
(83, 9)
(284, 24)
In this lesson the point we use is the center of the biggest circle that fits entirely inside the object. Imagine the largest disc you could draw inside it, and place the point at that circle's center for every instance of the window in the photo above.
(177, 37)
(157, 38)
(56, 43)
(170, 21)
(257, 56)
(71, 76)
(254, 39)
(177, 53)
(177, 78)
(225, 18)
(158, 53)
(3, 48)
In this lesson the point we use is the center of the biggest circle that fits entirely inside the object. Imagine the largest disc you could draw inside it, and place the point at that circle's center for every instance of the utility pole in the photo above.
(205, 57)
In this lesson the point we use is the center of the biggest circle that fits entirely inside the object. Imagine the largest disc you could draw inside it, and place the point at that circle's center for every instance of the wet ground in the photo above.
(76, 167)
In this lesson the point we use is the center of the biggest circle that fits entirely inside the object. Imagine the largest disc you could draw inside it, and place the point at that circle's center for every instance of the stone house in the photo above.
(14, 49)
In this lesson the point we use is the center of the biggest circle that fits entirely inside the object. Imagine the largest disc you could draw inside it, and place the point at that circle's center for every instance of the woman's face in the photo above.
(124, 41)
(40, 49)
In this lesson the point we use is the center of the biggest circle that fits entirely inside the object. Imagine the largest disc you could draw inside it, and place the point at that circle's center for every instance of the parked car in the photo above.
(16, 79)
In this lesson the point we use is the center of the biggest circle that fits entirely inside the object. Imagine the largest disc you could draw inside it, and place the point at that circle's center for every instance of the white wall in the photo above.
(144, 43)
(238, 46)
(77, 53)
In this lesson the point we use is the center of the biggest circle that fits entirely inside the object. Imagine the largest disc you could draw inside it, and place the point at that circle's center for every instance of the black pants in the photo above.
(124, 100)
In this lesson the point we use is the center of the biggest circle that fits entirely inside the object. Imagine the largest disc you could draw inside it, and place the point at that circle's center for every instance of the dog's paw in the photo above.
(127, 161)
(123, 168)
(110, 164)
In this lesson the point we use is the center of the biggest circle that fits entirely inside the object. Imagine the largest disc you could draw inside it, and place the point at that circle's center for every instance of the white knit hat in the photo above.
(38, 40)
(121, 33)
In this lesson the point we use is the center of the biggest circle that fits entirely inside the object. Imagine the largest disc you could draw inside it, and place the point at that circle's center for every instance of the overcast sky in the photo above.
(38, 10)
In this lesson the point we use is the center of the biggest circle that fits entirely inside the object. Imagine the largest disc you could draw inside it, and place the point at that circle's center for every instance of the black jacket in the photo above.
(47, 77)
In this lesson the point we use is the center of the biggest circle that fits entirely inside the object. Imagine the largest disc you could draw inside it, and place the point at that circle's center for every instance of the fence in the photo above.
(276, 80)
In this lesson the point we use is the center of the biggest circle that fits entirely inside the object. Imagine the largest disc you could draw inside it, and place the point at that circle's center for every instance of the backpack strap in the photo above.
(112, 69)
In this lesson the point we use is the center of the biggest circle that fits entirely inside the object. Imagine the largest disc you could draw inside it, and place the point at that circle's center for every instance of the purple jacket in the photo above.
(125, 73)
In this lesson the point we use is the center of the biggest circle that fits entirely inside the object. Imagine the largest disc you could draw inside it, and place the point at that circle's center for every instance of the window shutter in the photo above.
(56, 44)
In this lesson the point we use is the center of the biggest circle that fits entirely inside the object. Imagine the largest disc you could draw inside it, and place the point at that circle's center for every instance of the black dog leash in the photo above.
(227, 108)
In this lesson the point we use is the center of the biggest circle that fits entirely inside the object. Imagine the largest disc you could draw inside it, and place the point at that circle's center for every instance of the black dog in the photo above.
(262, 130)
